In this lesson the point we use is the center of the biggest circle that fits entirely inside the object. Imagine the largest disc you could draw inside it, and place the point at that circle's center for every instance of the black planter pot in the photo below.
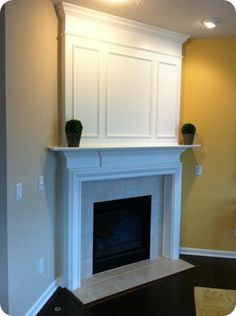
(188, 139)
(73, 139)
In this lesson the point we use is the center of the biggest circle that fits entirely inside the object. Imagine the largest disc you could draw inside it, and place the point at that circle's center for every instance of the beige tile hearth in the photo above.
(114, 281)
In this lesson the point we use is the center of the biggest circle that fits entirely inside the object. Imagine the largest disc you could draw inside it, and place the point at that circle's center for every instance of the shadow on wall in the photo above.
(52, 183)
(225, 223)
(190, 159)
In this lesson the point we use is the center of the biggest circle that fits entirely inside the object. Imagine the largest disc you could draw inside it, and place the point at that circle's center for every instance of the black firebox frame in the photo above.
(102, 211)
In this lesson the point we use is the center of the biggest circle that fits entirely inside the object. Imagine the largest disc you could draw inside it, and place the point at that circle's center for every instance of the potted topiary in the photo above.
(188, 131)
(73, 130)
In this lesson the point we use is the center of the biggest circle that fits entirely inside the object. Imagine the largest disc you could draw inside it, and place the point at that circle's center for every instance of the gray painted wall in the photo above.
(3, 167)
(32, 120)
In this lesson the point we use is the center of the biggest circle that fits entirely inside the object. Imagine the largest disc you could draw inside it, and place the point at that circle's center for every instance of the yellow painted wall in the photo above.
(209, 101)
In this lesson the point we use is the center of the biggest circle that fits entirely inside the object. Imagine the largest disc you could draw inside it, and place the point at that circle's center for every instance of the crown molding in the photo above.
(68, 9)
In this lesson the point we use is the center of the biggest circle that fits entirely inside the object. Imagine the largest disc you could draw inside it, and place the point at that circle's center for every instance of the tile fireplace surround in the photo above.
(97, 174)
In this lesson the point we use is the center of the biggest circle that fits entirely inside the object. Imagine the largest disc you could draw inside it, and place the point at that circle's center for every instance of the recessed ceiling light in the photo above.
(211, 23)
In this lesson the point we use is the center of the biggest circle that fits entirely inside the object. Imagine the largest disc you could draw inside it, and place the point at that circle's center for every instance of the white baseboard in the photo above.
(44, 298)
(208, 253)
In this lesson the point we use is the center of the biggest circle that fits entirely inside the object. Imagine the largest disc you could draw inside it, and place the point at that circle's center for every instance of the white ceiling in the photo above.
(182, 16)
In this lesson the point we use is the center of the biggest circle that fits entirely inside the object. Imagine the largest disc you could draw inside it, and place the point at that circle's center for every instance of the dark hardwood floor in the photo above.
(166, 297)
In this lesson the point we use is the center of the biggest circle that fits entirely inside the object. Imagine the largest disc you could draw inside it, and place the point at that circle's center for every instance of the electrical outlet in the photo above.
(19, 191)
(41, 183)
(41, 266)
(198, 170)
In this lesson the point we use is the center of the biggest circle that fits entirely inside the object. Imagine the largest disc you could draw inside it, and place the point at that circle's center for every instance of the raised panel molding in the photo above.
(120, 78)
(128, 96)
(167, 100)
(85, 80)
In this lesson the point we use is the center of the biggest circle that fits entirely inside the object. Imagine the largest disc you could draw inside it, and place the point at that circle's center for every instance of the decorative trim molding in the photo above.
(208, 252)
(44, 298)
(76, 77)
(75, 10)
(121, 44)
(168, 95)
(109, 112)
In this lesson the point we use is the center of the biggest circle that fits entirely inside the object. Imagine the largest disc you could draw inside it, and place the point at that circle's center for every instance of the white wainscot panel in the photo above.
(86, 89)
(167, 100)
(129, 96)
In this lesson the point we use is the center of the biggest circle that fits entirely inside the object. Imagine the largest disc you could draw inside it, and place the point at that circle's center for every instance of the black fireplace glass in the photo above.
(121, 232)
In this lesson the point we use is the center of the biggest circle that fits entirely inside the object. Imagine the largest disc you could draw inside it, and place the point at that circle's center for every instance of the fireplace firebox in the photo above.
(121, 232)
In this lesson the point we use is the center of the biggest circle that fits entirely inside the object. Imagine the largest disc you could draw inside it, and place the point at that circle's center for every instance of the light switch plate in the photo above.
(41, 266)
(41, 183)
(198, 170)
(19, 191)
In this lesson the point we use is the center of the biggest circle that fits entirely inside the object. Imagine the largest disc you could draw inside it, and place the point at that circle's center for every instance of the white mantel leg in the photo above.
(172, 215)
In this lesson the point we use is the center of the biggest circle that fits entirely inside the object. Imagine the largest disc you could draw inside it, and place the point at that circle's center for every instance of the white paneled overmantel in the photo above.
(98, 174)
(121, 78)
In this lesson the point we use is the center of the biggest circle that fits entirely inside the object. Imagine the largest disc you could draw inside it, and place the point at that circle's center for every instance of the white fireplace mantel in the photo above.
(122, 79)
(83, 165)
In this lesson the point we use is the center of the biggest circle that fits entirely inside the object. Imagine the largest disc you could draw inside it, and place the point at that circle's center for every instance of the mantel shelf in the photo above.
(122, 147)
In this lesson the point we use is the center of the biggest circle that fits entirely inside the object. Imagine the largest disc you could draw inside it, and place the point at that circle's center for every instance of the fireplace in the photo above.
(91, 175)
(121, 233)
(123, 141)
